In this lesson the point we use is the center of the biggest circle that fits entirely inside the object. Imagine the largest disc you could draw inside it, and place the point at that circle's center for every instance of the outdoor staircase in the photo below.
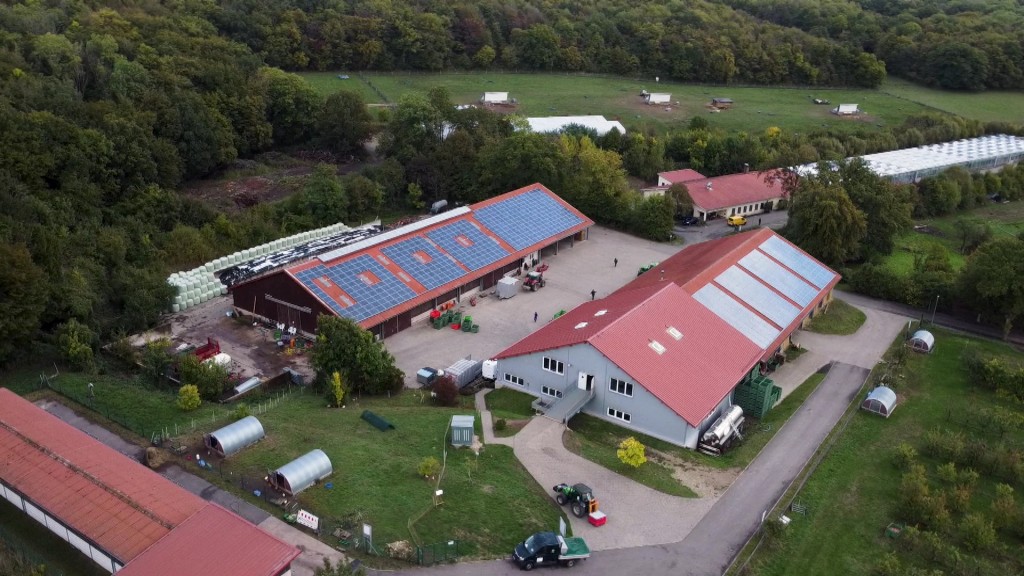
(562, 409)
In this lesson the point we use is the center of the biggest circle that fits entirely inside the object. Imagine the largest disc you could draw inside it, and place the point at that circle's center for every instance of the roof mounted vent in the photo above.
(656, 346)
(674, 332)
(600, 313)
(708, 185)
(581, 325)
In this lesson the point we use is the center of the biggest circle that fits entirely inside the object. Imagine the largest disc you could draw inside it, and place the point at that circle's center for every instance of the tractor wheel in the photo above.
(578, 509)
(528, 566)
(569, 563)
(561, 499)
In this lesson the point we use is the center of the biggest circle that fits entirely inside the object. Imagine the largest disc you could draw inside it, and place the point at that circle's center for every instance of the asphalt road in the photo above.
(719, 536)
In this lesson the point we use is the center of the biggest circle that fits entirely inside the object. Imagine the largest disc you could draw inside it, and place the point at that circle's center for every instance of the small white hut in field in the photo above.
(494, 98)
(658, 98)
(846, 110)
(922, 341)
(881, 401)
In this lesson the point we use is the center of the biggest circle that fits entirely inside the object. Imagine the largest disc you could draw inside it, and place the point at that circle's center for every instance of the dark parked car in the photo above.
(689, 221)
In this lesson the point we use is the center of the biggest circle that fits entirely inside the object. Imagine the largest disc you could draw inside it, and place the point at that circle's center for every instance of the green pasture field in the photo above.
(852, 496)
(1004, 219)
(509, 404)
(989, 106)
(841, 319)
(489, 504)
(755, 108)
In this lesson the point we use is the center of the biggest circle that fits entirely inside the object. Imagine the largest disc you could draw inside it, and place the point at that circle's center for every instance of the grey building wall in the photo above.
(647, 414)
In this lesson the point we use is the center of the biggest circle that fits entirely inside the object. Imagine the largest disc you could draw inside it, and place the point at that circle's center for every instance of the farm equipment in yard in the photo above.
(549, 549)
(579, 497)
(534, 281)
(722, 433)
(208, 350)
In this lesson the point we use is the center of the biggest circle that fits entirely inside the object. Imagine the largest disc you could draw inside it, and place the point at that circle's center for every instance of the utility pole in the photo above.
(935, 308)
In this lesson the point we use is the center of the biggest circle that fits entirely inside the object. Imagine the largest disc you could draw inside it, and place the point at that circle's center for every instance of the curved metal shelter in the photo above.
(301, 473)
(232, 438)
(921, 341)
(881, 401)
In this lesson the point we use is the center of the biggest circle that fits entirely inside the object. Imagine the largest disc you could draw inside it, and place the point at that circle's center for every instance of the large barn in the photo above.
(123, 516)
(741, 194)
(669, 352)
(388, 281)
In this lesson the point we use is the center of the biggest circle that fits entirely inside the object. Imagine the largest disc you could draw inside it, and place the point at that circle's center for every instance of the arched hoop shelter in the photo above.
(881, 401)
(921, 341)
(232, 438)
(301, 473)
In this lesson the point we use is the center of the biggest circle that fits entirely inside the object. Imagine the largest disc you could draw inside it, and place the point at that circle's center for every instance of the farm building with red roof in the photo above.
(388, 281)
(740, 194)
(123, 516)
(673, 350)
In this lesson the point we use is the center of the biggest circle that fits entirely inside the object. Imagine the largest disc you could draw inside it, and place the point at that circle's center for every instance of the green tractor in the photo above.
(579, 496)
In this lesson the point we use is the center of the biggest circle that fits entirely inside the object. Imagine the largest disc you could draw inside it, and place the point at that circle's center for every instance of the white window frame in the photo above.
(518, 381)
(553, 392)
(626, 387)
(620, 415)
(554, 366)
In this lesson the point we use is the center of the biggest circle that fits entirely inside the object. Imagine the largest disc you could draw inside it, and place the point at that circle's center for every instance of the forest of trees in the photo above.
(106, 110)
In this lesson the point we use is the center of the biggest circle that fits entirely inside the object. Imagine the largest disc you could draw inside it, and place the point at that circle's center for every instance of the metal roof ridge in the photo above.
(637, 306)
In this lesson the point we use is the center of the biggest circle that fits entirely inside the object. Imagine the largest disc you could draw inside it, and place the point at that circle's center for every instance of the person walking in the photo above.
(534, 316)
(758, 221)
(616, 261)
(592, 294)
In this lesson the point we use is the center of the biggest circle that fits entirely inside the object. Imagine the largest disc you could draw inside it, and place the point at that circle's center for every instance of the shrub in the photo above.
(336, 391)
(188, 398)
(968, 477)
(959, 498)
(445, 392)
(905, 456)
(631, 452)
(1004, 508)
(429, 467)
(501, 424)
(947, 472)
(888, 565)
(241, 411)
(978, 532)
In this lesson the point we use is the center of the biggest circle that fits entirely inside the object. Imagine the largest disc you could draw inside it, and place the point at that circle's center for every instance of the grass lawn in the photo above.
(852, 495)
(756, 108)
(490, 501)
(121, 397)
(509, 404)
(841, 318)
(38, 545)
(988, 106)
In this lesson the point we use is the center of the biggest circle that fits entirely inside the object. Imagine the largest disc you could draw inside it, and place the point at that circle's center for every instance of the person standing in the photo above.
(593, 293)
(616, 261)
(534, 316)
(758, 221)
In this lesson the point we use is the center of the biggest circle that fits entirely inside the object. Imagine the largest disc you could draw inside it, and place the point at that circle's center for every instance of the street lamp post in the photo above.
(935, 308)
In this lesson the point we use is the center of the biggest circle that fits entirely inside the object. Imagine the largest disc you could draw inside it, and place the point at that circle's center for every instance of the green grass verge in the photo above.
(490, 501)
(509, 404)
(598, 441)
(841, 319)
(988, 106)
(852, 495)
(756, 108)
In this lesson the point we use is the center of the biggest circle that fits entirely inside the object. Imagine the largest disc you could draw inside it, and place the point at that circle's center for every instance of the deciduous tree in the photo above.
(991, 280)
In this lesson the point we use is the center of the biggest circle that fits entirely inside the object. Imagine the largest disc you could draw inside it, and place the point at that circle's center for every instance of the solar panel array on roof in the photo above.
(435, 270)
(797, 261)
(771, 273)
(757, 296)
(755, 328)
(527, 218)
(467, 244)
(385, 291)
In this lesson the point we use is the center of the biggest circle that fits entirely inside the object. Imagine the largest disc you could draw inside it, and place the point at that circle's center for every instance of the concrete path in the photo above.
(487, 422)
(313, 551)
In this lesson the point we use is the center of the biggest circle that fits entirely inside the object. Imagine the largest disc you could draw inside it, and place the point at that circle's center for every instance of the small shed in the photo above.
(881, 401)
(301, 473)
(232, 438)
(846, 110)
(922, 341)
(462, 430)
(721, 102)
(495, 98)
(658, 98)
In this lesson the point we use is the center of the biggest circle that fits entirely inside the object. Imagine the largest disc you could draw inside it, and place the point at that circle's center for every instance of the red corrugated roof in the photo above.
(733, 190)
(119, 504)
(684, 175)
(423, 295)
(693, 374)
(214, 542)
